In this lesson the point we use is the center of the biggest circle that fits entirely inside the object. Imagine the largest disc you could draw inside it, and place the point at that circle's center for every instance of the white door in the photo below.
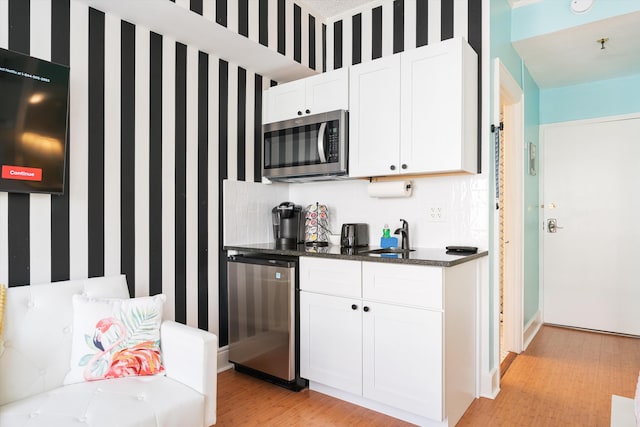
(591, 267)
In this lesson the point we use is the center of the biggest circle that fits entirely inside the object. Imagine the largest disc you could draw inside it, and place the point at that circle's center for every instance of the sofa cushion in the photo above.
(131, 401)
(115, 338)
(36, 342)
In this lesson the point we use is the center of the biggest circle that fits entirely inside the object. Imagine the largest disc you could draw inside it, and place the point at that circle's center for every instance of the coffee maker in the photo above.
(288, 224)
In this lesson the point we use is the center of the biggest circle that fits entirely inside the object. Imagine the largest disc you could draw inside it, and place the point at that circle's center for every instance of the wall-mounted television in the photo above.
(34, 100)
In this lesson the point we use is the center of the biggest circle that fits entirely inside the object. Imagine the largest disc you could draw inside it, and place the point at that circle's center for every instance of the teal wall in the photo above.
(586, 101)
(500, 47)
(596, 99)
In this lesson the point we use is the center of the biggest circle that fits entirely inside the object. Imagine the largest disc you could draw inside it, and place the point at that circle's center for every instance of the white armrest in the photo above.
(622, 412)
(190, 355)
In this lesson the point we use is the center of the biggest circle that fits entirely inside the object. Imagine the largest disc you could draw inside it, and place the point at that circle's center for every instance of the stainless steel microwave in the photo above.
(310, 148)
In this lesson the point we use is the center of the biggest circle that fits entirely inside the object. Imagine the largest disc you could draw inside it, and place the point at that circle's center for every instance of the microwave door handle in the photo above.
(323, 158)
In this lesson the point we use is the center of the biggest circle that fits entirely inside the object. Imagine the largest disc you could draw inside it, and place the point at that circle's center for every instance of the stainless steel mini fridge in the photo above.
(263, 320)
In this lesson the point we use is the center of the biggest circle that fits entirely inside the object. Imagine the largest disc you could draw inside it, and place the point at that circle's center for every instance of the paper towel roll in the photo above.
(390, 189)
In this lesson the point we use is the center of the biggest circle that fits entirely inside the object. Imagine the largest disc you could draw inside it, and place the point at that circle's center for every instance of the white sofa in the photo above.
(622, 412)
(35, 351)
(625, 411)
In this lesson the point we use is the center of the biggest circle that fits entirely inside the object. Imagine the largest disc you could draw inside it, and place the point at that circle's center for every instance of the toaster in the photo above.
(354, 235)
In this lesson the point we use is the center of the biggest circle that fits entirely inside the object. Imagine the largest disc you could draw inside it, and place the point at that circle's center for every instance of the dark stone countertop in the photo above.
(421, 256)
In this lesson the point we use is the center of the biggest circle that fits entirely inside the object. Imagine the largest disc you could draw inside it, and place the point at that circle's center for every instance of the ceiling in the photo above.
(330, 8)
(574, 56)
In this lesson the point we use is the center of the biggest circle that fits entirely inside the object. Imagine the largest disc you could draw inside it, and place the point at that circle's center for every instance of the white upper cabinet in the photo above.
(411, 113)
(438, 120)
(317, 94)
(374, 117)
(283, 102)
(415, 112)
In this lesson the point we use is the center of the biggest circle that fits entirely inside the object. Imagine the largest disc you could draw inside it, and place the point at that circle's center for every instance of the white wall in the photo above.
(463, 200)
(247, 210)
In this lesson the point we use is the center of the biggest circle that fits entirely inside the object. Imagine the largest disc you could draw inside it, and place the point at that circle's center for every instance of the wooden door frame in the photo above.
(508, 92)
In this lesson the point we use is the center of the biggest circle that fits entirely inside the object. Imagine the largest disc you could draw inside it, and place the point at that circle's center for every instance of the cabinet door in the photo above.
(331, 276)
(374, 117)
(402, 358)
(284, 101)
(409, 285)
(331, 341)
(312, 95)
(439, 105)
(327, 92)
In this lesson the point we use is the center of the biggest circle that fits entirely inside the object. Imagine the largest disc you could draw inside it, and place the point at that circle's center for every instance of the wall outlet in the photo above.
(435, 214)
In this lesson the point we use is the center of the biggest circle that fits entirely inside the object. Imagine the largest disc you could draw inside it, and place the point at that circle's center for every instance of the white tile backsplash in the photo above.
(247, 210)
(464, 199)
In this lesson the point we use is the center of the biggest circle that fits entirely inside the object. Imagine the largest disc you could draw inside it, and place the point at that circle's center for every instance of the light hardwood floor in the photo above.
(565, 378)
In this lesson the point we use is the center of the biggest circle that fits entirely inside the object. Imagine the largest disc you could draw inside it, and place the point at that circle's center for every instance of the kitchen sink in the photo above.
(388, 251)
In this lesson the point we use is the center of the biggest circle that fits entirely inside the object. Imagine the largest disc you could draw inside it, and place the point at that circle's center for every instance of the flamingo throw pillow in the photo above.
(115, 338)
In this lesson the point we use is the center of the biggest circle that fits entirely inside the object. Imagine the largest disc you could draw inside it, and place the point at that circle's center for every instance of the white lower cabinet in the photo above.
(331, 341)
(402, 358)
(382, 342)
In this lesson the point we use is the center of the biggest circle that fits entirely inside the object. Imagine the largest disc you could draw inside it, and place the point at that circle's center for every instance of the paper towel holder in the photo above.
(390, 189)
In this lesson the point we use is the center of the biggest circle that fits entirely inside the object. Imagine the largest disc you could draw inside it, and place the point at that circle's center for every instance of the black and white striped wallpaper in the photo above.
(393, 26)
(381, 28)
(156, 125)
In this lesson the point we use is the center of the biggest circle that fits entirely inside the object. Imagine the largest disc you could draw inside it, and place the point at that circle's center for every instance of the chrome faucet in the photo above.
(405, 234)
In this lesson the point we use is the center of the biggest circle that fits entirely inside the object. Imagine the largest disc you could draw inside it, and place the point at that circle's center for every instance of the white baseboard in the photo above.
(377, 406)
(223, 359)
(531, 329)
(490, 381)
(490, 384)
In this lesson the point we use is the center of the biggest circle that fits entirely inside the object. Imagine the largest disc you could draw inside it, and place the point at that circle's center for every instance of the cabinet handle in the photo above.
(307, 111)
(354, 307)
(365, 308)
(392, 167)
(299, 113)
(404, 166)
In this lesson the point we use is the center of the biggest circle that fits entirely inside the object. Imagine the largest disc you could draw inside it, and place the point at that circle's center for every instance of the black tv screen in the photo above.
(34, 99)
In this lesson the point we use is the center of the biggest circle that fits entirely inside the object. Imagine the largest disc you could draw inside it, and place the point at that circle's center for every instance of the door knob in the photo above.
(552, 225)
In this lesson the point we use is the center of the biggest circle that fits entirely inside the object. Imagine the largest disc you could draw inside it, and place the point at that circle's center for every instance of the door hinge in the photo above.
(500, 126)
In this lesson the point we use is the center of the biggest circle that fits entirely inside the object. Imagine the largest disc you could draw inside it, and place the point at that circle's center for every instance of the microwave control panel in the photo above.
(333, 144)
